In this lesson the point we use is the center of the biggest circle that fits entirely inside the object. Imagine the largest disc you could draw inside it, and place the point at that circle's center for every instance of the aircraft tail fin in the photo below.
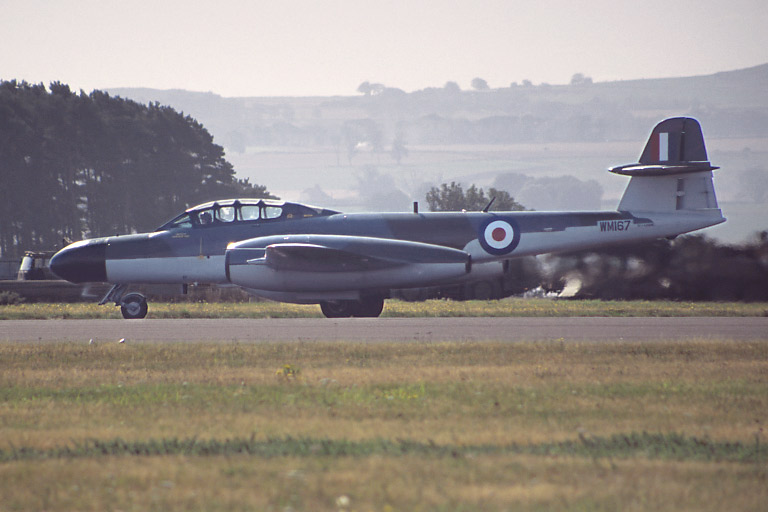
(675, 140)
(673, 172)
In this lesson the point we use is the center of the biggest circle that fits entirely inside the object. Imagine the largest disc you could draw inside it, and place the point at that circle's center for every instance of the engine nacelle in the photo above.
(311, 263)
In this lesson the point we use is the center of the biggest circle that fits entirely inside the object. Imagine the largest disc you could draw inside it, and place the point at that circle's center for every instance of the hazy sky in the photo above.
(326, 47)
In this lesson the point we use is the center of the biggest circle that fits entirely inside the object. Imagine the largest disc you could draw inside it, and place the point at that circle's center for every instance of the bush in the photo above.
(9, 298)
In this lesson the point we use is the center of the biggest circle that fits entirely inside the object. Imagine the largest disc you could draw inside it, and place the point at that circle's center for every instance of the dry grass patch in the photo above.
(457, 391)
(380, 484)
(456, 395)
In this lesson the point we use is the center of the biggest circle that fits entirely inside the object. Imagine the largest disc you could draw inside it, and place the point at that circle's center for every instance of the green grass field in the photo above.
(406, 426)
(395, 308)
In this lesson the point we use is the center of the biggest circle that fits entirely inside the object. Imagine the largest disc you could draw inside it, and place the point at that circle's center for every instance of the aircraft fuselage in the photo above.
(197, 254)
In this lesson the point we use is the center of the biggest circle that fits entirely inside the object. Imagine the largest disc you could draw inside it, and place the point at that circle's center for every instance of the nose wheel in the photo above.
(134, 305)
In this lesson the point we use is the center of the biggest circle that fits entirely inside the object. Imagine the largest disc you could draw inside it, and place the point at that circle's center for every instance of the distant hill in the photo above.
(730, 104)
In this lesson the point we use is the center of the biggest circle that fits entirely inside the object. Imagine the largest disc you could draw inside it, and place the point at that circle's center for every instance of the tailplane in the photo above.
(673, 174)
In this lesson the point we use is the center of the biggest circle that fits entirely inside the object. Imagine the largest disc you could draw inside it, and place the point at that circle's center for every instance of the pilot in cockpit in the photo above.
(205, 218)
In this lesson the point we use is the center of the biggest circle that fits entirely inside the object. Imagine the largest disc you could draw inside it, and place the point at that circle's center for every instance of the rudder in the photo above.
(675, 140)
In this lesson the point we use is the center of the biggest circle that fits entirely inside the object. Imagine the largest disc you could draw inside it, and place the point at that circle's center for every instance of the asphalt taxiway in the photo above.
(567, 329)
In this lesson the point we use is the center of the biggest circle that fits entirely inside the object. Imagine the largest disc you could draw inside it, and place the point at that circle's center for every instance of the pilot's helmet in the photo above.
(205, 218)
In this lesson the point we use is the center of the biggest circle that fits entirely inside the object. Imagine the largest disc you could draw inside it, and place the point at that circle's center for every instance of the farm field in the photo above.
(394, 308)
(405, 426)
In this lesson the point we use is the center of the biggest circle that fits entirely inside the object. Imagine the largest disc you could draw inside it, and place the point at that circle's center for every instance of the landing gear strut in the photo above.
(370, 307)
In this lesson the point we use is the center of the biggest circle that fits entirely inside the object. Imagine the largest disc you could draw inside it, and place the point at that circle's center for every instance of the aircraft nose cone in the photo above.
(81, 262)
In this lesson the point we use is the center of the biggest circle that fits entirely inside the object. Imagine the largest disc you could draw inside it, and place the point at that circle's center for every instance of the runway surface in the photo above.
(581, 329)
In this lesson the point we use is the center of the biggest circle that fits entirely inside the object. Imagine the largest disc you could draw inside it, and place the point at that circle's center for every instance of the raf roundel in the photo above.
(499, 236)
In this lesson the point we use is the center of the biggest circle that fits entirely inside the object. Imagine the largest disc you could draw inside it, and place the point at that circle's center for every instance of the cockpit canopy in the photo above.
(229, 211)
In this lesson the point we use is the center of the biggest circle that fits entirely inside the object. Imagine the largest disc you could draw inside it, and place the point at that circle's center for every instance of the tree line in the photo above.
(691, 267)
(79, 165)
(453, 197)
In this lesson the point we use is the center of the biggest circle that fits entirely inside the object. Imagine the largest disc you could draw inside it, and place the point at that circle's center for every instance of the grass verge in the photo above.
(395, 308)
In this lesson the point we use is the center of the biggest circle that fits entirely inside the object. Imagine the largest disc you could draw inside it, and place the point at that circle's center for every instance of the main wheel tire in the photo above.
(340, 308)
(133, 306)
(370, 308)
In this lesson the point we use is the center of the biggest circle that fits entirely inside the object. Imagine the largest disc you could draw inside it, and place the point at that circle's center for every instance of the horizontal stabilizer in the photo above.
(662, 170)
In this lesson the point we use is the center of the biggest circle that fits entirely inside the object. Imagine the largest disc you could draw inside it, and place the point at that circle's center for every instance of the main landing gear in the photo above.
(368, 308)
(132, 306)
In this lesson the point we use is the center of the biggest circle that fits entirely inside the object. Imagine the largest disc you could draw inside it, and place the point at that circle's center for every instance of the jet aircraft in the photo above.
(348, 263)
